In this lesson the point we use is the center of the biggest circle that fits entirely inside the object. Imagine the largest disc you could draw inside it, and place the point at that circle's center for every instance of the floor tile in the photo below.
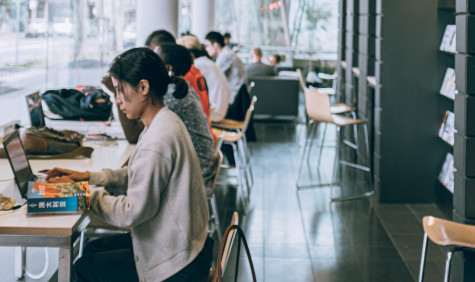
(341, 269)
(285, 269)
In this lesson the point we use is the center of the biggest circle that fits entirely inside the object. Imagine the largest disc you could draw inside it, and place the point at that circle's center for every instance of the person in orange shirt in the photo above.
(194, 76)
(198, 82)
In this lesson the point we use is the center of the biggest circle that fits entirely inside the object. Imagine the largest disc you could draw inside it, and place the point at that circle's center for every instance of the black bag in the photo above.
(87, 104)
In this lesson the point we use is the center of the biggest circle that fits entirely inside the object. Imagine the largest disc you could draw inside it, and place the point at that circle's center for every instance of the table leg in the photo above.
(19, 257)
(65, 264)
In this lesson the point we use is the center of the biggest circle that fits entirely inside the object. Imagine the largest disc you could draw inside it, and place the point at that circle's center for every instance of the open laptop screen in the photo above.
(19, 162)
(37, 117)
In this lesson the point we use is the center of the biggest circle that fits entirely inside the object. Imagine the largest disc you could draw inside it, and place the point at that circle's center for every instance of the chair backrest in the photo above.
(250, 86)
(445, 232)
(249, 111)
(318, 106)
(218, 142)
(229, 244)
(301, 80)
(229, 240)
(225, 249)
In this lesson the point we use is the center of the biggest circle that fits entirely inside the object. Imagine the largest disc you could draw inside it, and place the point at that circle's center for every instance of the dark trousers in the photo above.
(112, 259)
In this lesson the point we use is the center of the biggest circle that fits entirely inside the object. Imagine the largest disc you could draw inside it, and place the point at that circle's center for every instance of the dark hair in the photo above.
(227, 35)
(180, 59)
(158, 37)
(196, 53)
(142, 63)
(215, 37)
(278, 58)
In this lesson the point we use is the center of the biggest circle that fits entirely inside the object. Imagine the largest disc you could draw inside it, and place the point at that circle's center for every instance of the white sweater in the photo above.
(165, 202)
(218, 89)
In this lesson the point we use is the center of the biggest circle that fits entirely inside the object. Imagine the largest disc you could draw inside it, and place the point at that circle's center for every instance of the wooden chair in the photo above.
(446, 233)
(237, 141)
(232, 235)
(318, 108)
(238, 126)
(339, 108)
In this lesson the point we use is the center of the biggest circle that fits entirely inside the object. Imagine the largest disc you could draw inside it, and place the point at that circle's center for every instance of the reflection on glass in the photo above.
(61, 43)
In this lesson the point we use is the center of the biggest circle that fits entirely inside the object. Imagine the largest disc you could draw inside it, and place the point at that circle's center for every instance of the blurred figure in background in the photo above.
(257, 68)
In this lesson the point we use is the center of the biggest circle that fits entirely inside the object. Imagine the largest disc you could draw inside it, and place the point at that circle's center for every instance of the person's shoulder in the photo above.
(227, 52)
(203, 61)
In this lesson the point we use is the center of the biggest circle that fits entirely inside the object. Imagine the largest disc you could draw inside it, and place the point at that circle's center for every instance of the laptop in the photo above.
(19, 163)
(35, 110)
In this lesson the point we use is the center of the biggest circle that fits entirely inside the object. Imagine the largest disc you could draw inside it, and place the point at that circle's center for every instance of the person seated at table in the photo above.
(257, 67)
(185, 103)
(228, 62)
(193, 76)
(165, 202)
(218, 88)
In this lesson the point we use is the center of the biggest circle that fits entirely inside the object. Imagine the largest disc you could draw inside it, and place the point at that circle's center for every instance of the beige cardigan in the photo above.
(165, 202)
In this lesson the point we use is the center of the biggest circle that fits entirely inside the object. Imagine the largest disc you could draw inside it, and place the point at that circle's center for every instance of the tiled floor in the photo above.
(301, 236)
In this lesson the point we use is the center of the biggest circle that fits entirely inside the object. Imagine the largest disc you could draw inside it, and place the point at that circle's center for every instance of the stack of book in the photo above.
(58, 197)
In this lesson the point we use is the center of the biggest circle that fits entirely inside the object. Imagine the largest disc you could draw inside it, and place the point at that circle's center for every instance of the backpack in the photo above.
(91, 104)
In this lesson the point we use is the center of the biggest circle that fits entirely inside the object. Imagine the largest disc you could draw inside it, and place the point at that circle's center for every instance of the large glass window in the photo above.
(61, 43)
(310, 27)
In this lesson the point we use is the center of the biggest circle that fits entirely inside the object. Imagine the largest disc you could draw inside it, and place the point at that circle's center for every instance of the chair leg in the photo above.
(248, 159)
(355, 135)
(336, 162)
(81, 244)
(322, 142)
(423, 257)
(244, 165)
(448, 262)
(217, 225)
(244, 199)
(368, 160)
(313, 135)
(304, 153)
(360, 167)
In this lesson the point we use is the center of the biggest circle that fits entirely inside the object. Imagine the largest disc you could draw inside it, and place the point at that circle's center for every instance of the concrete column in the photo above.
(156, 14)
(202, 18)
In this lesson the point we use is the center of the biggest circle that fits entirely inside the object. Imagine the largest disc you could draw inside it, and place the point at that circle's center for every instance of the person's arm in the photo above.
(61, 175)
(114, 180)
(132, 127)
(143, 198)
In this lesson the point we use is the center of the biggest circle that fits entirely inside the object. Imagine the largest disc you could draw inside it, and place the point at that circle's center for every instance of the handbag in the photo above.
(48, 143)
(91, 104)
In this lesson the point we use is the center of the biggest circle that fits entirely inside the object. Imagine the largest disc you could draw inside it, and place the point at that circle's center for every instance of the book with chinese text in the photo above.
(58, 197)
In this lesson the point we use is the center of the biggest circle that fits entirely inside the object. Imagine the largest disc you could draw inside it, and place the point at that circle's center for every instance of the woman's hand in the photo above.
(61, 175)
